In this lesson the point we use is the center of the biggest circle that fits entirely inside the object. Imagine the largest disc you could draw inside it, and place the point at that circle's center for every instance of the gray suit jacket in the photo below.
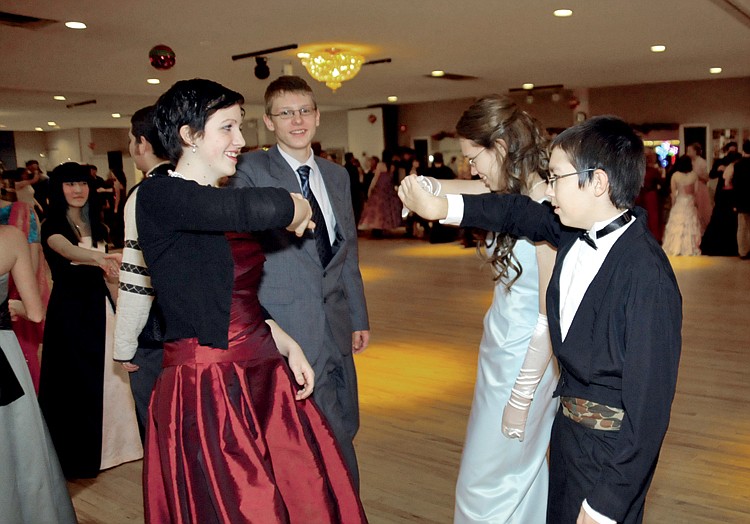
(297, 291)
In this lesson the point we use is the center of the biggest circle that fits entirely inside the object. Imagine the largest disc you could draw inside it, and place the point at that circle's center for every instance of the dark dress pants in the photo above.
(576, 455)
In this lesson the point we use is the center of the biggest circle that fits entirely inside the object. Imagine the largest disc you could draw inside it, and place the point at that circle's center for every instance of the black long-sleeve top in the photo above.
(181, 227)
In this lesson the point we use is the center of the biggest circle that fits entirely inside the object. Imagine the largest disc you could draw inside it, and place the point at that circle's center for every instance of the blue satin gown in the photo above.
(504, 480)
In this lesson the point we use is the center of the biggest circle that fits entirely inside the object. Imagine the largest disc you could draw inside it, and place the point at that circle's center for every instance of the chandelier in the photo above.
(332, 65)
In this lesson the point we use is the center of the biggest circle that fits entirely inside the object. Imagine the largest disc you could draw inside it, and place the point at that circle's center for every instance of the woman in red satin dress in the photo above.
(232, 435)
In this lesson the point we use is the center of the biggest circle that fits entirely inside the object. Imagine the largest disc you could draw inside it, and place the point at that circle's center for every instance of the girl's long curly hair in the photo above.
(488, 120)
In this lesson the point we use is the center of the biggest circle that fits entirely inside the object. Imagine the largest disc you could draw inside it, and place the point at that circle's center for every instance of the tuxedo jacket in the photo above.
(297, 291)
(623, 346)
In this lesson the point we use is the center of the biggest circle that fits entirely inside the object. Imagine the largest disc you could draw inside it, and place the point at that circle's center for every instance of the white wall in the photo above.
(365, 138)
(31, 145)
(332, 132)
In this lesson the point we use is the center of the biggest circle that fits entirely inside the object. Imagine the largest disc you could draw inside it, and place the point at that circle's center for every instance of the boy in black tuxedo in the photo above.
(615, 316)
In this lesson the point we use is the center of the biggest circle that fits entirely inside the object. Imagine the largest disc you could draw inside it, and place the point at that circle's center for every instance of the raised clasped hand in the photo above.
(302, 220)
(418, 199)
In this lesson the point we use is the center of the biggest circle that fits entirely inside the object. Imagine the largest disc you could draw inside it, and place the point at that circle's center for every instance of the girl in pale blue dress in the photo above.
(503, 476)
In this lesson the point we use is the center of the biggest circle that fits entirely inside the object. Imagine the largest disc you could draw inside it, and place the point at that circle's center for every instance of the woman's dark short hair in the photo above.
(610, 144)
(190, 103)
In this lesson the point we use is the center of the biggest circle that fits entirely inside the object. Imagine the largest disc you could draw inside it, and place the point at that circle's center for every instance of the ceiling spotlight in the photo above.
(59, 97)
(393, 99)
(528, 86)
(153, 81)
(437, 73)
(261, 68)
(562, 13)
(658, 48)
(51, 123)
(75, 25)
(715, 70)
(38, 129)
(116, 115)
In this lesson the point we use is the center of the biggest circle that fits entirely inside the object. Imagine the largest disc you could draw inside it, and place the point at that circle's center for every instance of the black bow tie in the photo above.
(616, 224)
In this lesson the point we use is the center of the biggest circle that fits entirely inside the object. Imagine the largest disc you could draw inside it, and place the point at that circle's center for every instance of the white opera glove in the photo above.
(534, 365)
(429, 184)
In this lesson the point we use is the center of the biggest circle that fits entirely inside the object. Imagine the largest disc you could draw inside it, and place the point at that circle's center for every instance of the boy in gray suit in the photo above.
(312, 285)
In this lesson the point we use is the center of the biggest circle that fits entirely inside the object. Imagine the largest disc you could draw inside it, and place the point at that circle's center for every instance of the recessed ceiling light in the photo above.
(59, 97)
(715, 70)
(153, 81)
(3, 126)
(303, 55)
(393, 99)
(658, 48)
(562, 13)
(75, 25)
(38, 129)
(437, 73)
(528, 86)
(116, 115)
(51, 123)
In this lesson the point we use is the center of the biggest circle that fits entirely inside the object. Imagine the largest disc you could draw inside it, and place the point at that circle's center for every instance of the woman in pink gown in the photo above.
(30, 334)
(382, 209)
(232, 436)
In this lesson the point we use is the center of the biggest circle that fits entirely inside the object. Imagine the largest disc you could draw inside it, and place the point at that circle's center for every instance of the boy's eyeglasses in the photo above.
(288, 114)
(554, 178)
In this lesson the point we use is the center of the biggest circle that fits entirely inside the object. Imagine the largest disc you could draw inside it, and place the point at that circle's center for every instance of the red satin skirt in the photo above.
(228, 443)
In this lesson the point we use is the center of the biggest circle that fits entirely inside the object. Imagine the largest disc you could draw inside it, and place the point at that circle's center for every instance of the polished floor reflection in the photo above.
(426, 306)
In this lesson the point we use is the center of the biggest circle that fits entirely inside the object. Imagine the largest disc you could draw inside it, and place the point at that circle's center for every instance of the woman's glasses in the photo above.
(473, 159)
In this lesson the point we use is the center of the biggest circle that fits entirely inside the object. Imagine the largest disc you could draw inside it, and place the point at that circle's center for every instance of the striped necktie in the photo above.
(322, 242)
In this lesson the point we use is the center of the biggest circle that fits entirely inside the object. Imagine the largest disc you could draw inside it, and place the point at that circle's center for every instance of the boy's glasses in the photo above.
(288, 114)
(554, 178)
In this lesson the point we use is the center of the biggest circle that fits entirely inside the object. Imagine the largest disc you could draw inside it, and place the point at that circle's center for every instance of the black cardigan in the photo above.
(181, 227)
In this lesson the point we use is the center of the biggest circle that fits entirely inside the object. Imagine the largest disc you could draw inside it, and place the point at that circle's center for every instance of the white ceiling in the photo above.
(502, 42)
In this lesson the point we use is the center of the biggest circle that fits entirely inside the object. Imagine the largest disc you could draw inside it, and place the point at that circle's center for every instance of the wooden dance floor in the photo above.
(426, 307)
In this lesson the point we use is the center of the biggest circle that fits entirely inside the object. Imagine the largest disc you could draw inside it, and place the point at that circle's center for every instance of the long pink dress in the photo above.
(29, 334)
(383, 207)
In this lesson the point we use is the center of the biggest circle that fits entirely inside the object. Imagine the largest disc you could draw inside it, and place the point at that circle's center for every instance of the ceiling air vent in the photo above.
(27, 22)
(453, 76)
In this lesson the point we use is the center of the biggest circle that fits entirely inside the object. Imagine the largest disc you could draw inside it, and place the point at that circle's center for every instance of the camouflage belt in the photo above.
(591, 414)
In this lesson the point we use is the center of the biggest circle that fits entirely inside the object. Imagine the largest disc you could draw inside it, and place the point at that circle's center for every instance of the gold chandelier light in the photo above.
(332, 65)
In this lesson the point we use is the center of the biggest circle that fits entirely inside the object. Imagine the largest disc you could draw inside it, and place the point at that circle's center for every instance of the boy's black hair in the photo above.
(610, 144)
